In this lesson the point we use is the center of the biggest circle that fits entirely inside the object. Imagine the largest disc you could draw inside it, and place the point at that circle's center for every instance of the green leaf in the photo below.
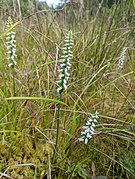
(35, 98)
(8, 30)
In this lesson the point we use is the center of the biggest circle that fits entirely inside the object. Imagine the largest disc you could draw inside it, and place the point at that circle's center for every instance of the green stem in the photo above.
(13, 73)
(14, 93)
(57, 132)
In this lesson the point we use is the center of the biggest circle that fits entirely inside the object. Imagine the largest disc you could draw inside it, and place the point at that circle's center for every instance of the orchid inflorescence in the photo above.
(11, 43)
(88, 128)
(122, 58)
(65, 63)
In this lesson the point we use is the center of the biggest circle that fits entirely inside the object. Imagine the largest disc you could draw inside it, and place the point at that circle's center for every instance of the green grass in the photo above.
(28, 133)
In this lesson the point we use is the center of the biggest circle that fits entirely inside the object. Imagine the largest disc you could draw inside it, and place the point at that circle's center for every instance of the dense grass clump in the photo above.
(67, 110)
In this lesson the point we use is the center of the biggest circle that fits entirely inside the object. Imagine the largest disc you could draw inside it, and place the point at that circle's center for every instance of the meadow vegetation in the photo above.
(40, 121)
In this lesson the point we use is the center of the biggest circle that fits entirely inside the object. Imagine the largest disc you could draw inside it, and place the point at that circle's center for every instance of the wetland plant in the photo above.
(88, 128)
(64, 74)
(11, 54)
(65, 63)
(11, 44)
(122, 58)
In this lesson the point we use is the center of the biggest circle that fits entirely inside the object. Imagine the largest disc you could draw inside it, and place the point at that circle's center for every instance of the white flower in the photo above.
(122, 58)
(88, 128)
(89, 136)
(61, 76)
(59, 89)
(81, 139)
(83, 132)
(11, 46)
(65, 63)
(84, 127)
(86, 140)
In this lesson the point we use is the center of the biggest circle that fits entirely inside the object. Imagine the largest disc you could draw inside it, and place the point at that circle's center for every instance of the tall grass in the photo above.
(95, 84)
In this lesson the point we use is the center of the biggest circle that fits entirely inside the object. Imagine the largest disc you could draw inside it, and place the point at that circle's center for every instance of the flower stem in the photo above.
(57, 130)
(14, 91)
